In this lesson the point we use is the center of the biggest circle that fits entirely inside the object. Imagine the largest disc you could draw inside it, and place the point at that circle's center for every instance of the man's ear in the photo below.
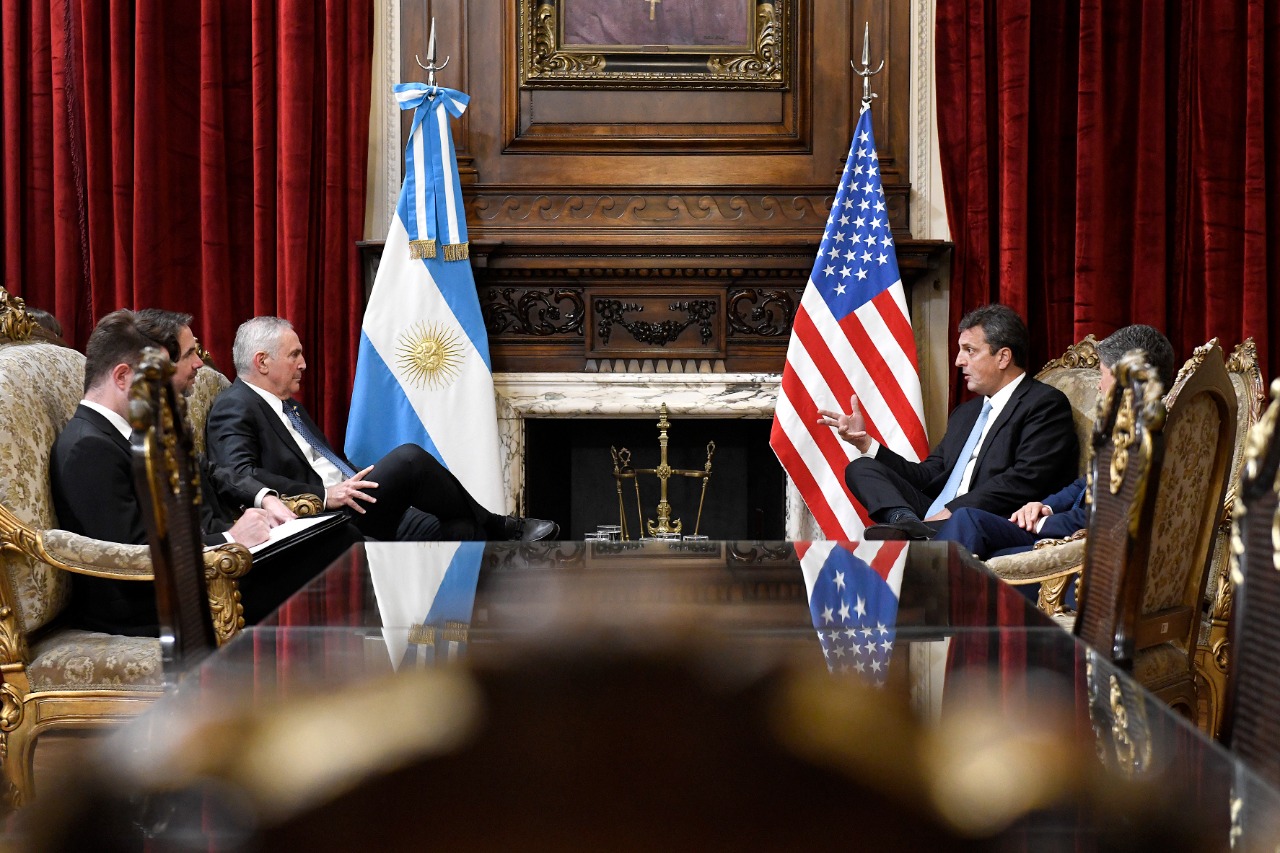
(260, 361)
(1004, 358)
(122, 376)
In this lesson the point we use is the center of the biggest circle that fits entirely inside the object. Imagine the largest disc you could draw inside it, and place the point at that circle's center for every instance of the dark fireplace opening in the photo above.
(569, 475)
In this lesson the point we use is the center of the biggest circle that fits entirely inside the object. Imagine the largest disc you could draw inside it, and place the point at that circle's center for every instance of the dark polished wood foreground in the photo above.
(669, 694)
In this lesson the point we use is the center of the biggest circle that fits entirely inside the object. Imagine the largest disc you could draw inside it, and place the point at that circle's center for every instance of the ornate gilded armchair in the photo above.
(1250, 725)
(1054, 563)
(1213, 648)
(1200, 441)
(1128, 448)
(1148, 569)
(167, 472)
(55, 677)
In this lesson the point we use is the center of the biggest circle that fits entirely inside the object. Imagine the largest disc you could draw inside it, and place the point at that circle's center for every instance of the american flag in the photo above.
(851, 335)
(853, 600)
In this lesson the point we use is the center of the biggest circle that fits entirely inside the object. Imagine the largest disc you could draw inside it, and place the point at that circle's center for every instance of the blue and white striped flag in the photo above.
(423, 374)
(425, 593)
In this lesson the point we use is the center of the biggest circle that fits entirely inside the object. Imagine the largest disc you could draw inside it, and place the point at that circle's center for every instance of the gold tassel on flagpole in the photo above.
(456, 251)
(422, 249)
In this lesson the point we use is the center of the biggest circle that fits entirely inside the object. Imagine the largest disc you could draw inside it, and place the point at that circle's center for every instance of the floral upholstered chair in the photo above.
(1213, 648)
(1250, 725)
(55, 677)
(1054, 563)
(1164, 557)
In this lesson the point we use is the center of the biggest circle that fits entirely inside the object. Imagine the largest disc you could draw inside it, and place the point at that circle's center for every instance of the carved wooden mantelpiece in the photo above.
(656, 307)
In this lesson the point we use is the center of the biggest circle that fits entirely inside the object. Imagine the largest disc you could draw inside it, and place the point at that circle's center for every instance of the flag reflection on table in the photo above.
(425, 600)
(853, 592)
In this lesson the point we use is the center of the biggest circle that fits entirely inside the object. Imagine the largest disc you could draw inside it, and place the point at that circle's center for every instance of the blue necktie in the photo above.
(957, 473)
(295, 418)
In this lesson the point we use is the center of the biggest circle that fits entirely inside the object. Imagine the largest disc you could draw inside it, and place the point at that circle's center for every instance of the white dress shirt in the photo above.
(327, 471)
(998, 400)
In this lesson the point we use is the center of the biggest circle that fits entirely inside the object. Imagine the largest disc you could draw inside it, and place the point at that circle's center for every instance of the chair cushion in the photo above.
(1160, 665)
(40, 387)
(69, 659)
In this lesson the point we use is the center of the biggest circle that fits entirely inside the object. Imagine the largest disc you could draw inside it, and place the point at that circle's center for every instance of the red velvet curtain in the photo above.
(1112, 163)
(205, 157)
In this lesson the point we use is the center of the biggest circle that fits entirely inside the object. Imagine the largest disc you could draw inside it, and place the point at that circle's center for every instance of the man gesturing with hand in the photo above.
(1013, 443)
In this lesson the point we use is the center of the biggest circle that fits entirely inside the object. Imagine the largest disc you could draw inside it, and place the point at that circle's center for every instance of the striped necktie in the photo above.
(295, 417)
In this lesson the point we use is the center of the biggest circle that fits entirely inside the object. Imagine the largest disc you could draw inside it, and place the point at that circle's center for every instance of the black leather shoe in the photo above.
(899, 530)
(530, 529)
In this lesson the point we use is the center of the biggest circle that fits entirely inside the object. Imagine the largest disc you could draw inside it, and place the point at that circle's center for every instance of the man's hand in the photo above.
(941, 515)
(252, 528)
(276, 510)
(851, 427)
(351, 492)
(1029, 515)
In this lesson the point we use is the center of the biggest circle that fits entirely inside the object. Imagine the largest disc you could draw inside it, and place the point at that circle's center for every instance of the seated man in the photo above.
(257, 430)
(987, 535)
(171, 332)
(1014, 443)
(277, 576)
(93, 487)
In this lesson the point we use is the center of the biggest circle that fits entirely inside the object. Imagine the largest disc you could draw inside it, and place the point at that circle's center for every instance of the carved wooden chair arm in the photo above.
(223, 566)
(304, 504)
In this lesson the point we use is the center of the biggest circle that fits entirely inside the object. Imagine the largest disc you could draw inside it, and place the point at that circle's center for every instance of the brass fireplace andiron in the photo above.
(622, 470)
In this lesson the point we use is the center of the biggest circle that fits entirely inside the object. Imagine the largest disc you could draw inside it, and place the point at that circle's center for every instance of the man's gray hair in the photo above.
(1154, 345)
(258, 334)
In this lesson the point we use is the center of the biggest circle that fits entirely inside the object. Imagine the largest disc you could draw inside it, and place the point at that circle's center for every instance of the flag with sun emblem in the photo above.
(423, 374)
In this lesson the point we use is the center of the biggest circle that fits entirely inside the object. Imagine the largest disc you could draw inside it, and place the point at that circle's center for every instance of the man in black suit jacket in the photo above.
(275, 576)
(91, 476)
(1024, 448)
(1062, 513)
(256, 430)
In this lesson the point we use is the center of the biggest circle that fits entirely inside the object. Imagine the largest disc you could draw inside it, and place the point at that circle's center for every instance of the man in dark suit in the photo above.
(93, 487)
(1014, 442)
(275, 576)
(1062, 513)
(257, 430)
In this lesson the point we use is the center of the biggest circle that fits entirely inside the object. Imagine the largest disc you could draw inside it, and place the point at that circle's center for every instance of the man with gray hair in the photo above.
(988, 535)
(256, 429)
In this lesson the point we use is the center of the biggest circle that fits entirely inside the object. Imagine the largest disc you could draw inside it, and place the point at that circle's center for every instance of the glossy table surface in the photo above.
(894, 667)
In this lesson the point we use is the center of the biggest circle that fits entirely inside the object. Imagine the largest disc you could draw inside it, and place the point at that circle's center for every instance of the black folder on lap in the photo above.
(294, 531)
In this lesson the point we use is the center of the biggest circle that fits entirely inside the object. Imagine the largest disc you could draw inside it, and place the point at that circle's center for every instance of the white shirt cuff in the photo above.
(1043, 518)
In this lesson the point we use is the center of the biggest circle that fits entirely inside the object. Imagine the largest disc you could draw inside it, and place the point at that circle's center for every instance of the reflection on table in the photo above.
(627, 695)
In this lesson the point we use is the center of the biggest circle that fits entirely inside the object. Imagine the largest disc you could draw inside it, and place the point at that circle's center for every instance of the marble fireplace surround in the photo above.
(632, 395)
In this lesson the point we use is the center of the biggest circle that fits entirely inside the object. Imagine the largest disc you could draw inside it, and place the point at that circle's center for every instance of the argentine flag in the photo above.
(423, 373)
(425, 593)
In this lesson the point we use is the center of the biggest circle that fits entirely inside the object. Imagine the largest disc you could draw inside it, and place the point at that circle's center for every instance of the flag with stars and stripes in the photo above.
(851, 335)
(853, 600)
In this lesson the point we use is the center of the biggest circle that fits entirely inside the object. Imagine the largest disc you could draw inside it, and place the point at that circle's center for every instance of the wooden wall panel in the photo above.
(583, 199)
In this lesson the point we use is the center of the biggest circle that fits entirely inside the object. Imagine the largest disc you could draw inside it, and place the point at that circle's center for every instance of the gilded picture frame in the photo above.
(612, 44)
